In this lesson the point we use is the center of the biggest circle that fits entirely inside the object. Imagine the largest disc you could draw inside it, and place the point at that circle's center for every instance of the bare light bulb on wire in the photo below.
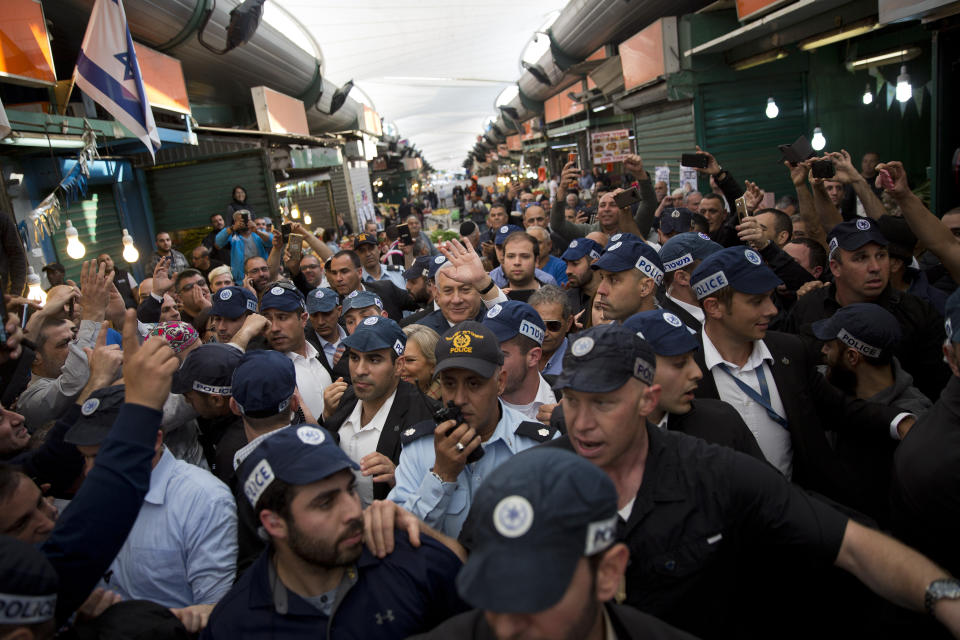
(295, 212)
(819, 141)
(307, 219)
(130, 253)
(34, 291)
(772, 109)
(904, 89)
(75, 248)
(868, 96)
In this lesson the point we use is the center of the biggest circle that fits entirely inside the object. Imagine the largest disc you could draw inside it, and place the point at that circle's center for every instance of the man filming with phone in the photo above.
(245, 242)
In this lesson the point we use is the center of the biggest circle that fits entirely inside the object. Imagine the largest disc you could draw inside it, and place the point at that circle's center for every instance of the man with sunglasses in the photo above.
(193, 292)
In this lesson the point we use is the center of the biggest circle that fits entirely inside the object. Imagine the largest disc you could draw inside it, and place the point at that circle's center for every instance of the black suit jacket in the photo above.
(813, 405)
(669, 305)
(410, 406)
(395, 300)
(339, 370)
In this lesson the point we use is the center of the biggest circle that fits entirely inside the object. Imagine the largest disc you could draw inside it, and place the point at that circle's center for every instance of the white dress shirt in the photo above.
(330, 348)
(312, 378)
(544, 396)
(359, 440)
(774, 439)
(693, 310)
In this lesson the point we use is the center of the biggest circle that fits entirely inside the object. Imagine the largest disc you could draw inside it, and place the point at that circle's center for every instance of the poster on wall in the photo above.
(362, 193)
(610, 146)
(662, 174)
(688, 179)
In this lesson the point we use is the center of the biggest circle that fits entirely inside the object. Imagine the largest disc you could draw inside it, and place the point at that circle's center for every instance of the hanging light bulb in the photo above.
(130, 253)
(75, 248)
(34, 291)
(819, 141)
(295, 212)
(904, 89)
(772, 109)
(867, 96)
(307, 219)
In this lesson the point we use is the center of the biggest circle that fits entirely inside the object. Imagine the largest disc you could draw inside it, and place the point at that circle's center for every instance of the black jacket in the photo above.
(339, 370)
(417, 316)
(436, 320)
(395, 300)
(628, 624)
(813, 405)
(669, 305)
(410, 406)
(919, 350)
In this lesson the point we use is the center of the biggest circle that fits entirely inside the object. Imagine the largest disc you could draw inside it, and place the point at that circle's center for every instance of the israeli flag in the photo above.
(107, 71)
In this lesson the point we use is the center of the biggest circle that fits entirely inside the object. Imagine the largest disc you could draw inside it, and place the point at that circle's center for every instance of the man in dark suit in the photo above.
(325, 332)
(344, 276)
(369, 416)
(455, 301)
(419, 284)
(772, 382)
(680, 255)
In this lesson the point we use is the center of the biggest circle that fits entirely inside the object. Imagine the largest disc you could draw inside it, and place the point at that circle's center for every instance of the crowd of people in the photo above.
(687, 416)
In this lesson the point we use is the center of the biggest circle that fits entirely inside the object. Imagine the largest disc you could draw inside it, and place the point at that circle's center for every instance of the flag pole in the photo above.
(62, 93)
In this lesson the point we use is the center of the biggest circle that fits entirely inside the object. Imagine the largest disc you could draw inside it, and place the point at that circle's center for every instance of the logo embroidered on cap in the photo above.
(863, 225)
(532, 331)
(600, 535)
(703, 235)
(672, 319)
(643, 370)
(494, 311)
(615, 237)
(752, 256)
(310, 435)
(372, 320)
(398, 347)
(833, 244)
(226, 294)
(257, 482)
(513, 516)
(19, 610)
(318, 293)
(409, 432)
(573, 244)
(675, 214)
(276, 291)
(90, 406)
(504, 229)
(252, 305)
(353, 294)
(650, 270)
(711, 283)
(461, 341)
(848, 339)
(682, 261)
(439, 259)
(211, 389)
(614, 246)
(582, 346)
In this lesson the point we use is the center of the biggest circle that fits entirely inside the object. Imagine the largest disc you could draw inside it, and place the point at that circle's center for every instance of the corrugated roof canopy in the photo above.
(432, 67)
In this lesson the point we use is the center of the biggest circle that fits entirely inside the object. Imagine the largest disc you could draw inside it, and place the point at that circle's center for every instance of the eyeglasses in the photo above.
(553, 325)
(196, 283)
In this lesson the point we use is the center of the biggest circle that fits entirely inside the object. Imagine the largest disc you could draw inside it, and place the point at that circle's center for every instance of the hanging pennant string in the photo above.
(73, 186)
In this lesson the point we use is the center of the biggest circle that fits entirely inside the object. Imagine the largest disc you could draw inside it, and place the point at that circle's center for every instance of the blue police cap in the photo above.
(582, 247)
(263, 383)
(29, 584)
(509, 319)
(322, 299)
(376, 333)
(97, 415)
(603, 358)
(684, 249)
(530, 523)
(853, 234)
(207, 369)
(865, 327)
(630, 252)
(361, 300)
(504, 231)
(737, 267)
(665, 332)
(419, 268)
(436, 263)
(298, 455)
(952, 317)
(233, 302)
(282, 296)
(676, 220)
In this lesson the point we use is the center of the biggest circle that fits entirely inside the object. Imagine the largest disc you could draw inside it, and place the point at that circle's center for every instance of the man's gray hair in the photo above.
(552, 294)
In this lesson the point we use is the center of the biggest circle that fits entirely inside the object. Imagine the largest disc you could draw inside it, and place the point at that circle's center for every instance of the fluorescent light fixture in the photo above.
(602, 107)
(772, 109)
(867, 96)
(845, 32)
(904, 88)
(24, 139)
(888, 57)
(818, 142)
(757, 60)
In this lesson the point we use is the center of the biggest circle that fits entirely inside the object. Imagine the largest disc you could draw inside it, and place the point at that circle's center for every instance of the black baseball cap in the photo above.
(54, 266)
(208, 369)
(865, 327)
(665, 332)
(364, 238)
(676, 220)
(97, 415)
(29, 584)
(850, 235)
(738, 267)
(603, 358)
(530, 523)
(469, 345)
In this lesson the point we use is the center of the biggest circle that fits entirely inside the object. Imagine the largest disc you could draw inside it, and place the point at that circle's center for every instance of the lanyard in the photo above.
(762, 398)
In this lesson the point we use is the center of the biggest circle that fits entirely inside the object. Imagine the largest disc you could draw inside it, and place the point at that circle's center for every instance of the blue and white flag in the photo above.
(107, 71)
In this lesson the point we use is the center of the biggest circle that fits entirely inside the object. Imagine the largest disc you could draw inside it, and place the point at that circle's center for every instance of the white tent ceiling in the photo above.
(432, 67)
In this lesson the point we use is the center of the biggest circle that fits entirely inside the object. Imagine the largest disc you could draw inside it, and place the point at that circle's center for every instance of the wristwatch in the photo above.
(939, 589)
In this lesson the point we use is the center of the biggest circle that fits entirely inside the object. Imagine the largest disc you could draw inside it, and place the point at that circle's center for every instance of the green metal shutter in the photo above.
(663, 132)
(184, 195)
(734, 128)
(98, 225)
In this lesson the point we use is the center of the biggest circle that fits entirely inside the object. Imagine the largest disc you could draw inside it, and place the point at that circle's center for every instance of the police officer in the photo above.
(630, 273)
(678, 375)
(316, 579)
(204, 380)
(695, 514)
(235, 319)
(29, 585)
(545, 561)
(680, 255)
(369, 416)
(674, 222)
(582, 282)
(435, 481)
(325, 332)
(358, 305)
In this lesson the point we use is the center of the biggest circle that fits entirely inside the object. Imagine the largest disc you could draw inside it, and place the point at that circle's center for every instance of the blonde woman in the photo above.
(419, 359)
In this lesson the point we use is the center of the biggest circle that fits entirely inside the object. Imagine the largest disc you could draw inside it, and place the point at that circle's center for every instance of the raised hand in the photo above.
(634, 164)
(842, 163)
(467, 268)
(94, 291)
(713, 167)
(753, 196)
(162, 282)
(897, 184)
